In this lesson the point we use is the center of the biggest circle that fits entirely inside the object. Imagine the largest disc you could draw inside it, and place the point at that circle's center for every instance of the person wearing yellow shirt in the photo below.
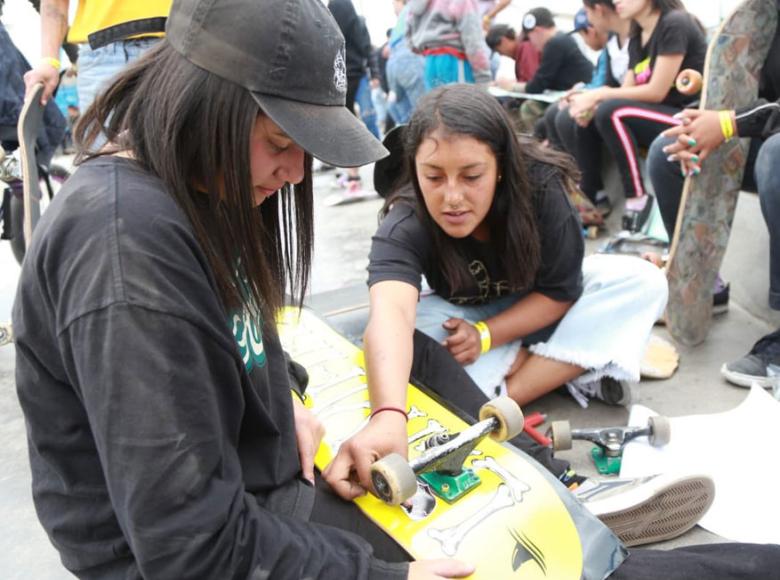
(125, 30)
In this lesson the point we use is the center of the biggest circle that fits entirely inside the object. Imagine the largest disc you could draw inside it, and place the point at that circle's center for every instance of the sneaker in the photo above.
(606, 389)
(648, 509)
(753, 367)
(636, 212)
(720, 296)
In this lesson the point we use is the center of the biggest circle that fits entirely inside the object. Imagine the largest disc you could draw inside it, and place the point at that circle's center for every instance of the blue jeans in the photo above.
(760, 175)
(405, 80)
(367, 112)
(98, 67)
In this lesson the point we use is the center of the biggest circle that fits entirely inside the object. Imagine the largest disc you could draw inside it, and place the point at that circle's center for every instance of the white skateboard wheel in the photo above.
(394, 480)
(660, 431)
(561, 435)
(509, 416)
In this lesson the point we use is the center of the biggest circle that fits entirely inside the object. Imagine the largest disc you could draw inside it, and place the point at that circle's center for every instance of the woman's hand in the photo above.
(309, 432)
(582, 106)
(349, 474)
(464, 341)
(439, 569)
(698, 134)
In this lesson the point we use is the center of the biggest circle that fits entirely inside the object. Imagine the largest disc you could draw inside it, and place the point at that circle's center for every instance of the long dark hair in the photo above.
(192, 129)
(468, 110)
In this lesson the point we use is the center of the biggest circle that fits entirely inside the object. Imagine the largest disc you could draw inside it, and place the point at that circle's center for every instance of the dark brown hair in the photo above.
(468, 110)
(192, 129)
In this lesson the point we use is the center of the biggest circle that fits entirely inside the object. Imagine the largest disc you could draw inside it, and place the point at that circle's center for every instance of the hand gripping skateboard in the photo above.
(30, 121)
(472, 498)
(610, 441)
(732, 69)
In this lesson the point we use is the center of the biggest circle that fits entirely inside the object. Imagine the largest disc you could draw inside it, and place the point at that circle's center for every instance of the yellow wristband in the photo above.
(484, 336)
(726, 126)
(50, 60)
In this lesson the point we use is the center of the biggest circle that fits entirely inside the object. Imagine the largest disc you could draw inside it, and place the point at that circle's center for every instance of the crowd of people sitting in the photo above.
(148, 366)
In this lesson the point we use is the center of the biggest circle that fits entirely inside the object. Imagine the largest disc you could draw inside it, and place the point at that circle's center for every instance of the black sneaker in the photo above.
(752, 368)
(720, 297)
(636, 212)
(606, 389)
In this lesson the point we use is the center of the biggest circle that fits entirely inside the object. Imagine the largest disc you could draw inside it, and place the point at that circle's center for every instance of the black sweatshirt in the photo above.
(160, 426)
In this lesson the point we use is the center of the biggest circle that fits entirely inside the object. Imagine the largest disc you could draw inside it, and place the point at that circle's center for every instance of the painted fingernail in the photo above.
(695, 158)
(696, 171)
(691, 142)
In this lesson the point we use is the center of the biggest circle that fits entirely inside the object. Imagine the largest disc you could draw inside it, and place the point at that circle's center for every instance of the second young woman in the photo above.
(665, 39)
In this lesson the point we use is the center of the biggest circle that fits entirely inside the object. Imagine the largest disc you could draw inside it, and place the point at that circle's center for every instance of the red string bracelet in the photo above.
(389, 408)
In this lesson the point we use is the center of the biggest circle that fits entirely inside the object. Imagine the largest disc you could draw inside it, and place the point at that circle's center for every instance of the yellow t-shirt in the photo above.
(93, 15)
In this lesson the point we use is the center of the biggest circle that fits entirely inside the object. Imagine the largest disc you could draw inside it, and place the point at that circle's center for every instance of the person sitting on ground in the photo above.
(681, 151)
(562, 64)
(448, 33)
(501, 244)
(664, 40)
(460, 147)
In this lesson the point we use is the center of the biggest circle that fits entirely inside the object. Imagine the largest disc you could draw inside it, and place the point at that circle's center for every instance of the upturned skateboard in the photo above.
(30, 121)
(732, 69)
(610, 441)
(474, 499)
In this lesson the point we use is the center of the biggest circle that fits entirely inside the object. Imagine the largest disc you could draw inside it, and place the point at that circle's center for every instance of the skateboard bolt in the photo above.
(445, 487)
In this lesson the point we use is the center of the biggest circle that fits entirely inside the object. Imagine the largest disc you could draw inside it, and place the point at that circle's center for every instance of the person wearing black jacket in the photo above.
(671, 158)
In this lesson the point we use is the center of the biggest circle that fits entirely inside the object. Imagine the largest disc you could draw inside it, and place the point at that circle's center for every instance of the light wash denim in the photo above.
(98, 67)
(405, 80)
(366, 104)
(605, 331)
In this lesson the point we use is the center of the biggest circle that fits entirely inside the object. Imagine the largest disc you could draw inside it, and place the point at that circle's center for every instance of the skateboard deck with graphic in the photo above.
(513, 524)
(30, 121)
(732, 70)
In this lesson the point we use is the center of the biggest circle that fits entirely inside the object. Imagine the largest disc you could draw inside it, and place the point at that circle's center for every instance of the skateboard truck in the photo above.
(610, 441)
(441, 464)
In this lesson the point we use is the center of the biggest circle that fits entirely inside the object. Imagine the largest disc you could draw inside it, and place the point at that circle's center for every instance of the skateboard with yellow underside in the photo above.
(472, 498)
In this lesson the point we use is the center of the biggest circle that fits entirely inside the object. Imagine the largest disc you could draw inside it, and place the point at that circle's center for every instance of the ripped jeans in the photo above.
(605, 331)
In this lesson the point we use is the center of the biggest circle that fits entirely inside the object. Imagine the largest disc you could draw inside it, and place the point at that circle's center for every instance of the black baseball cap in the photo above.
(290, 55)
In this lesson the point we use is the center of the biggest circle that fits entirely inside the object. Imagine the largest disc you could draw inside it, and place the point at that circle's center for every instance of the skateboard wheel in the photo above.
(688, 82)
(660, 431)
(561, 435)
(508, 414)
(394, 480)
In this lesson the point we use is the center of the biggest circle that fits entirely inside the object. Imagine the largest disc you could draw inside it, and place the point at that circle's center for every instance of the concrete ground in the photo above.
(342, 241)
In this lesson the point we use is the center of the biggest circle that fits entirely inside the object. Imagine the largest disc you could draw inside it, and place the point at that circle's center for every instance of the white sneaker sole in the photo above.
(743, 380)
(661, 509)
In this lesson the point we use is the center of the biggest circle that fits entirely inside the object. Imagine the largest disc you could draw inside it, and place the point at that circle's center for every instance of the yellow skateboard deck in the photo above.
(514, 524)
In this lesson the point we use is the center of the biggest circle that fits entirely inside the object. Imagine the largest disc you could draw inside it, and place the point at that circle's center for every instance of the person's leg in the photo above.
(729, 561)
(667, 179)
(586, 150)
(768, 183)
(551, 130)
(366, 106)
(607, 329)
(624, 126)
(331, 510)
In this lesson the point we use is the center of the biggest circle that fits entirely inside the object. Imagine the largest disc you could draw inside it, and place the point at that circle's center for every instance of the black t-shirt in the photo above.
(161, 432)
(402, 250)
(562, 66)
(675, 33)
